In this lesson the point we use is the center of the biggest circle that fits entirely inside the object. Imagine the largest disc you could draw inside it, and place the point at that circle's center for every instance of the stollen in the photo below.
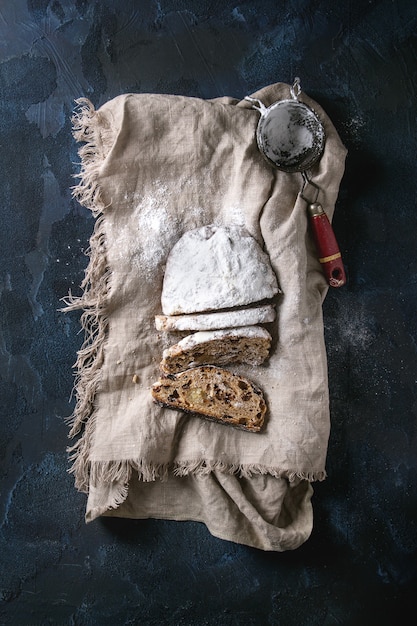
(154, 166)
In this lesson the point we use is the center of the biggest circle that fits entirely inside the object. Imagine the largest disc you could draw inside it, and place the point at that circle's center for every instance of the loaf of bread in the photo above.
(213, 393)
(261, 314)
(216, 267)
(249, 344)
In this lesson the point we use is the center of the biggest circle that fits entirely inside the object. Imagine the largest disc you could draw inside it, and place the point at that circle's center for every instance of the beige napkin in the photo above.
(152, 167)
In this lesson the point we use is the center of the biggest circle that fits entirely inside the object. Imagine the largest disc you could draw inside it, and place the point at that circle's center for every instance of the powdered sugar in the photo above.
(233, 216)
(161, 229)
(220, 319)
(212, 268)
(145, 241)
(249, 344)
(255, 332)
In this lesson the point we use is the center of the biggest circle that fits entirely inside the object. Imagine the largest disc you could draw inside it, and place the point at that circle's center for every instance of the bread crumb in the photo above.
(135, 379)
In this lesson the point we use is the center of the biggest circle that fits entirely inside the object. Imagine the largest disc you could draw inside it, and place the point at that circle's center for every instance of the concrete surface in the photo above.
(359, 60)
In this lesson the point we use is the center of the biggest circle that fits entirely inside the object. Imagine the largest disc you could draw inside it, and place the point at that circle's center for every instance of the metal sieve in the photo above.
(292, 138)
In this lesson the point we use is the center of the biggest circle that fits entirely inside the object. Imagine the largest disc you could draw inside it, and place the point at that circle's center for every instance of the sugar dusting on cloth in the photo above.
(152, 168)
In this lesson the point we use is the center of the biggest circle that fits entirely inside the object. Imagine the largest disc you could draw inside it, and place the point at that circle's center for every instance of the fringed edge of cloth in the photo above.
(203, 467)
(94, 319)
(85, 123)
(117, 475)
(120, 472)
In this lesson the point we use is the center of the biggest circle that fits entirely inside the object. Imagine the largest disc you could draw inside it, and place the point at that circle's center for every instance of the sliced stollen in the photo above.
(262, 314)
(213, 393)
(249, 344)
(216, 267)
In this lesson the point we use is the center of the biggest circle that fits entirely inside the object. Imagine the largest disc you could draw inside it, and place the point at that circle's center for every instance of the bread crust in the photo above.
(213, 393)
(262, 314)
(249, 344)
(214, 268)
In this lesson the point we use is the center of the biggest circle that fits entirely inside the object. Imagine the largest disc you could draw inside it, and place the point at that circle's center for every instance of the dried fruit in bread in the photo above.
(248, 344)
(213, 393)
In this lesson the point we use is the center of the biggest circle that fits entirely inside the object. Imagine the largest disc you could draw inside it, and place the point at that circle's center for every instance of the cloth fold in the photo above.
(152, 167)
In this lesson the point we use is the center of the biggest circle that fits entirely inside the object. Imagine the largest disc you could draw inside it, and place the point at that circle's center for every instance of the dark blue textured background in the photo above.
(358, 59)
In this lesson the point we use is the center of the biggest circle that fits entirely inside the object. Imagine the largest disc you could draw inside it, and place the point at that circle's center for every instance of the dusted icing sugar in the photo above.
(253, 332)
(222, 319)
(249, 344)
(214, 267)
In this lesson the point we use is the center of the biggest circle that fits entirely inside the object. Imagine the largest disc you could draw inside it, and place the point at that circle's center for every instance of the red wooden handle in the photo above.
(326, 244)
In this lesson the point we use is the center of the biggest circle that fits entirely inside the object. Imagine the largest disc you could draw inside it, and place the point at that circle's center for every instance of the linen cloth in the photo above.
(152, 167)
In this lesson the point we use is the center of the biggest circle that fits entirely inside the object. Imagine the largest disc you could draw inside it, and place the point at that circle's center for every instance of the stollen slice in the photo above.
(248, 344)
(262, 314)
(213, 393)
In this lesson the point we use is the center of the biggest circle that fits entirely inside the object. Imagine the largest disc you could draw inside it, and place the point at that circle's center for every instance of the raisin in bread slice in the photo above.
(249, 344)
(261, 314)
(213, 393)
